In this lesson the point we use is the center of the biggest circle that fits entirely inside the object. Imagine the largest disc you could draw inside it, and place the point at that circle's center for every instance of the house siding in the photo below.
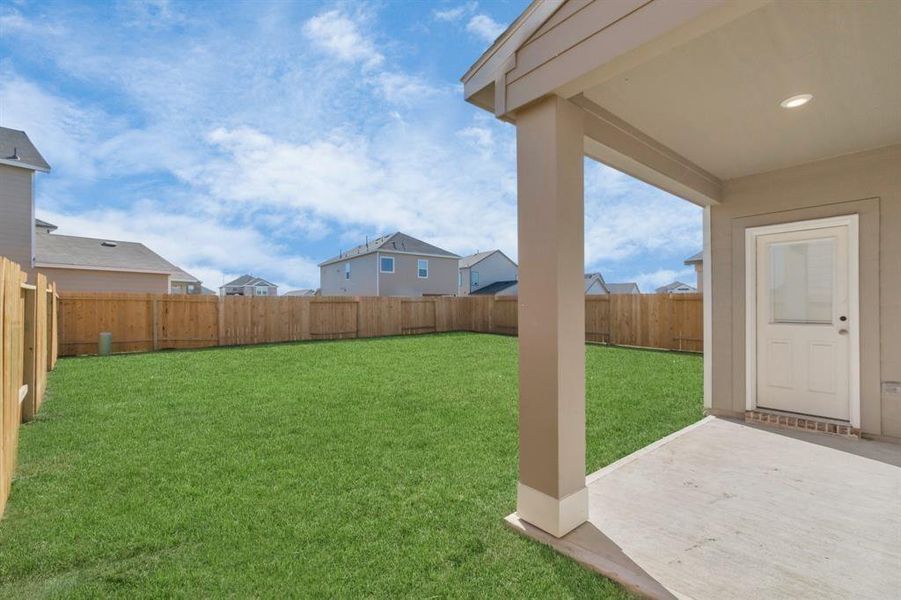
(16, 215)
(404, 281)
(85, 280)
(866, 184)
(362, 282)
(491, 269)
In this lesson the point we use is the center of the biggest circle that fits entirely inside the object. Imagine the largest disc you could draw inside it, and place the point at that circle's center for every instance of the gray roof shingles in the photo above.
(672, 286)
(16, 147)
(395, 242)
(248, 280)
(468, 261)
(695, 258)
(493, 288)
(623, 288)
(72, 251)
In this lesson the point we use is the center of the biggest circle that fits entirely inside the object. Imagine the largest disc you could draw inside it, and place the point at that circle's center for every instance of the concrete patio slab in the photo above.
(724, 510)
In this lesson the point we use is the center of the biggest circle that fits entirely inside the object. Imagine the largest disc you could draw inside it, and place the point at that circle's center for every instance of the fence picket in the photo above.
(27, 352)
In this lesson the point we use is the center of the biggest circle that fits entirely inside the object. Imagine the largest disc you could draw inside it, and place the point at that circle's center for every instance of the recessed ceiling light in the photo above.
(796, 101)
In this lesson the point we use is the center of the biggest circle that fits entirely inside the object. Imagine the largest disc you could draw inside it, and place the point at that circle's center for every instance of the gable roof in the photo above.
(248, 280)
(493, 288)
(629, 287)
(672, 286)
(181, 275)
(695, 258)
(73, 252)
(521, 29)
(17, 150)
(591, 278)
(45, 225)
(395, 242)
(304, 292)
(468, 261)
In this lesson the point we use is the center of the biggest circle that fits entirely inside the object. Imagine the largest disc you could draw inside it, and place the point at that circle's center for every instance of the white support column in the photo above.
(550, 152)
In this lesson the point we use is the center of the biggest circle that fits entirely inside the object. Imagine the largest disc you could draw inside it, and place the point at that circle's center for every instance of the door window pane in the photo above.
(801, 281)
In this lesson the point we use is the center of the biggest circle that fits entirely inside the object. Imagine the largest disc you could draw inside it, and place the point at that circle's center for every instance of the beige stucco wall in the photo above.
(404, 281)
(867, 184)
(491, 269)
(362, 280)
(83, 280)
(16, 215)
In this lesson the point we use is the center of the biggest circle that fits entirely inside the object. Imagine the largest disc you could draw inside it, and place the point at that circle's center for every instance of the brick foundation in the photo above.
(789, 421)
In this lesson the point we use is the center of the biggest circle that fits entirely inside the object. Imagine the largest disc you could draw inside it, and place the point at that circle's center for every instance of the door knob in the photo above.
(842, 331)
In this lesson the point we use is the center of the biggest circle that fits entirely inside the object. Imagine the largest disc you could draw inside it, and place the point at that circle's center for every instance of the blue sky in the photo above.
(265, 137)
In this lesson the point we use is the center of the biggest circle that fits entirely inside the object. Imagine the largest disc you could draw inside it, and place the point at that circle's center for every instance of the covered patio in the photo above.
(781, 120)
(675, 520)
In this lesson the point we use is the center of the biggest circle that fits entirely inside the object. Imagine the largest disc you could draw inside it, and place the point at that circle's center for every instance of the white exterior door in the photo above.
(803, 318)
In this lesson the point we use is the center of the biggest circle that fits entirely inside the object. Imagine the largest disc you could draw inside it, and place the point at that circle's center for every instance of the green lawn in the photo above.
(376, 467)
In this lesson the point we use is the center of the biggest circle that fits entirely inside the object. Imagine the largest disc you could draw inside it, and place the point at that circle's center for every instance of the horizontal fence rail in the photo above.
(148, 322)
(28, 350)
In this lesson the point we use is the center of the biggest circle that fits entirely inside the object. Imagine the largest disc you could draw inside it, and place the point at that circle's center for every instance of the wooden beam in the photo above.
(616, 143)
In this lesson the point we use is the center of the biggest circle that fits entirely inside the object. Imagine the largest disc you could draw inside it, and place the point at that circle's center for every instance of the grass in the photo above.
(352, 468)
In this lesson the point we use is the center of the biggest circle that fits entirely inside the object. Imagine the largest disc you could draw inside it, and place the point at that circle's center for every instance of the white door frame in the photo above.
(751, 235)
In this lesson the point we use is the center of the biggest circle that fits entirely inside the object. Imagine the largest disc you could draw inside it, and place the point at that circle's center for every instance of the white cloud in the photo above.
(407, 180)
(150, 13)
(625, 219)
(485, 27)
(62, 130)
(198, 243)
(272, 163)
(403, 89)
(455, 13)
(340, 36)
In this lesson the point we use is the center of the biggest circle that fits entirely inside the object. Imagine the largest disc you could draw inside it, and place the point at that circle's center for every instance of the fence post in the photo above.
(155, 316)
(220, 316)
(29, 366)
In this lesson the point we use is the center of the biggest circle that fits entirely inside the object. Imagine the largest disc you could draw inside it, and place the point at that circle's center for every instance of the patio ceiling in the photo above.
(715, 100)
(686, 95)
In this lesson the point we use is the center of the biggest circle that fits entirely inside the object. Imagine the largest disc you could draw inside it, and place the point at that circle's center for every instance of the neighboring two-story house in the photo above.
(486, 272)
(249, 285)
(697, 261)
(74, 263)
(390, 265)
(19, 161)
(595, 285)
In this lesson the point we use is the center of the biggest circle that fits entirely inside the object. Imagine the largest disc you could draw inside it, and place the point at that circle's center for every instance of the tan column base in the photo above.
(557, 516)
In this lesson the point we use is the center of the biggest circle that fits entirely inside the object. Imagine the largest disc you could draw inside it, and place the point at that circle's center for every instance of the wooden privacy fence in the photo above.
(147, 322)
(28, 350)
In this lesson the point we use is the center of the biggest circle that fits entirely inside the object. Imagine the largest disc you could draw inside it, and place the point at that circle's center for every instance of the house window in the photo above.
(422, 268)
(474, 278)
(347, 270)
(386, 264)
(261, 291)
(459, 278)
